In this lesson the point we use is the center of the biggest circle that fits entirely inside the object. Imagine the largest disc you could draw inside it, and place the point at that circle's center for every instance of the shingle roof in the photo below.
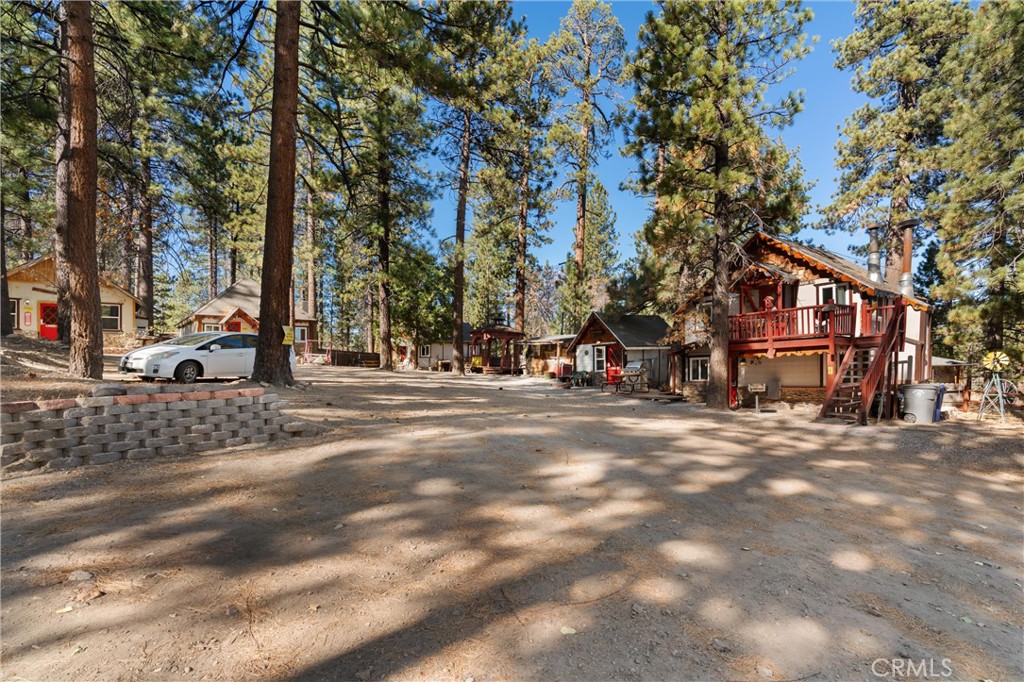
(636, 331)
(244, 294)
(841, 266)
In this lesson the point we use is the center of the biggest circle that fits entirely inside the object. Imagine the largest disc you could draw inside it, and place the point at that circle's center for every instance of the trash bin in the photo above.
(919, 403)
(938, 401)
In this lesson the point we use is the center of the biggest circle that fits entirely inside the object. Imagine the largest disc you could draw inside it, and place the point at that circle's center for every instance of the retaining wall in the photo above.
(138, 421)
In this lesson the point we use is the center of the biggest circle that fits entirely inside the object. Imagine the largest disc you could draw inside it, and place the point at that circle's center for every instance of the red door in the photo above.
(48, 321)
(233, 326)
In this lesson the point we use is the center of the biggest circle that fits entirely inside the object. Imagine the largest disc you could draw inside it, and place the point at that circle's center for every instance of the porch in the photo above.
(807, 327)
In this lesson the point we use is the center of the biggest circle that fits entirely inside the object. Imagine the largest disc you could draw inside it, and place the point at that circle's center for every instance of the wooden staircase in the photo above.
(868, 367)
(844, 400)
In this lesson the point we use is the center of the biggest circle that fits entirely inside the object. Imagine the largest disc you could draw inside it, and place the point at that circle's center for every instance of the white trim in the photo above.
(699, 360)
(120, 316)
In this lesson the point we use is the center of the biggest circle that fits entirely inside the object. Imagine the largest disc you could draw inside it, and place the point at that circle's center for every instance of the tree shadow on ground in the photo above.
(449, 529)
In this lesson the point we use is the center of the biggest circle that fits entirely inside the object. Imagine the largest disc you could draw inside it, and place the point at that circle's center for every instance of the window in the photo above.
(249, 340)
(111, 316)
(207, 327)
(599, 358)
(300, 334)
(425, 351)
(837, 292)
(233, 341)
(13, 305)
(699, 369)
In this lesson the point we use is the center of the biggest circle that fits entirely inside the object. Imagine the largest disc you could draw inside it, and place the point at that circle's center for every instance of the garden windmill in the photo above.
(994, 395)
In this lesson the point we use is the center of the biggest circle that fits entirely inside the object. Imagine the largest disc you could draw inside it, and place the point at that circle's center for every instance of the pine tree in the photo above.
(578, 299)
(272, 363)
(86, 356)
(886, 151)
(465, 43)
(702, 72)
(588, 54)
(981, 204)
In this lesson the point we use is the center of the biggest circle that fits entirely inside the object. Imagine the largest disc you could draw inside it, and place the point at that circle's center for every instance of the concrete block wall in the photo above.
(138, 421)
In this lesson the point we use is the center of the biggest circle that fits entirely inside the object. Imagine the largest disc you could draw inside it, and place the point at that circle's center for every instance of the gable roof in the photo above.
(35, 262)
(842, 269)
(244, 294)
(630, 331)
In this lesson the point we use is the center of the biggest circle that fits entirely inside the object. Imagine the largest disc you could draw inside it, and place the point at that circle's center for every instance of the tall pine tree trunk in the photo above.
(458, 361)
(718, 369)
(62, 182)
(310, 237)
(6, 327)
(521, 247)
(384, 257)
(580, 232)
(26, 222)
(272, 356)
(371, 338)
(144, 245)
(86, 357)
(212, 285)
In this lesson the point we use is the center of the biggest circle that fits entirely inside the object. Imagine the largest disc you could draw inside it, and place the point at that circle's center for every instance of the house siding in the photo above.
(35, 286)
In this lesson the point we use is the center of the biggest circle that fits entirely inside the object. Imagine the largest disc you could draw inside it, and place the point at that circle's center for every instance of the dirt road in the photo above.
(503, 529)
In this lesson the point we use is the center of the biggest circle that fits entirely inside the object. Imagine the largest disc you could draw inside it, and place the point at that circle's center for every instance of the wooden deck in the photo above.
(808, 328)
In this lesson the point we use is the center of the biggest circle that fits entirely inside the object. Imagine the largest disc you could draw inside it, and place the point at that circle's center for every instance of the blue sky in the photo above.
(828, 100)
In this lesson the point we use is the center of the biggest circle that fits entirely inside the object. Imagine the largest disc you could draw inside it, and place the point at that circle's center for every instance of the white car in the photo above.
(207, 355)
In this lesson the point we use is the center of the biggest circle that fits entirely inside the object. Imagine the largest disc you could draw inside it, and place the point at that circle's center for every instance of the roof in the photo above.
(555, 338)
(630, 331)
(846, 270)
(947, 362)
(47, 257)
(840, 268)
(637, 331)
(244, 294)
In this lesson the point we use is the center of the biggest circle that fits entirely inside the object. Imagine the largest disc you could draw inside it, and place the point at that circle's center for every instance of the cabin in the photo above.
(808, 325)
(548, 356)
(437, 354)
(32, 289)
(237, 309)
(605, 344)
(496, 349)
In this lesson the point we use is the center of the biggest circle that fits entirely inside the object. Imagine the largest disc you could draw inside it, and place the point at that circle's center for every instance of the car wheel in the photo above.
(187, 372)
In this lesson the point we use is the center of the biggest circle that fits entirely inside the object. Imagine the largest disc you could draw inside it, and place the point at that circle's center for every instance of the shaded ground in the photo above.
(503, 529)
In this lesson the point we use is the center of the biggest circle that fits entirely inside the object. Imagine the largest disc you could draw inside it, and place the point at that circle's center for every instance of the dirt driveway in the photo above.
(503, 529)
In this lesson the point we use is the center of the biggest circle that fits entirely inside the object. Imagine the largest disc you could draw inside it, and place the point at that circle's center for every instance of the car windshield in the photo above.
(192, 339)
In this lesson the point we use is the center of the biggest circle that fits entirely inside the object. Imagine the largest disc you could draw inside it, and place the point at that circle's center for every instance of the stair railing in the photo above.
(869, 384)
(837, 380)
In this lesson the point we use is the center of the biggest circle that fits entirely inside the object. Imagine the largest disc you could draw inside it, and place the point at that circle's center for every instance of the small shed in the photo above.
(605, 344)
(496, 349)
(436, 355)
(549, 356)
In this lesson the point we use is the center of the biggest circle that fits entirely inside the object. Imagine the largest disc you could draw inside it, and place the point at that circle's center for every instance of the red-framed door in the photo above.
(613, 363)
(233, 326)
(48, 321)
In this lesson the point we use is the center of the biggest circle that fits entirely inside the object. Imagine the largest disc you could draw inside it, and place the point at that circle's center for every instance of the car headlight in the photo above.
(164, 355)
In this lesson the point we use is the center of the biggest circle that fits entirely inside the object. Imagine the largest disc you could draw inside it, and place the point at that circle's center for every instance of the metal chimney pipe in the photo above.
(874, 255)
(906, 276)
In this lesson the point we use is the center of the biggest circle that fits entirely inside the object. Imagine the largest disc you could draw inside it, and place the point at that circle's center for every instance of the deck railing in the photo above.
(815, 321)
(875, 320)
